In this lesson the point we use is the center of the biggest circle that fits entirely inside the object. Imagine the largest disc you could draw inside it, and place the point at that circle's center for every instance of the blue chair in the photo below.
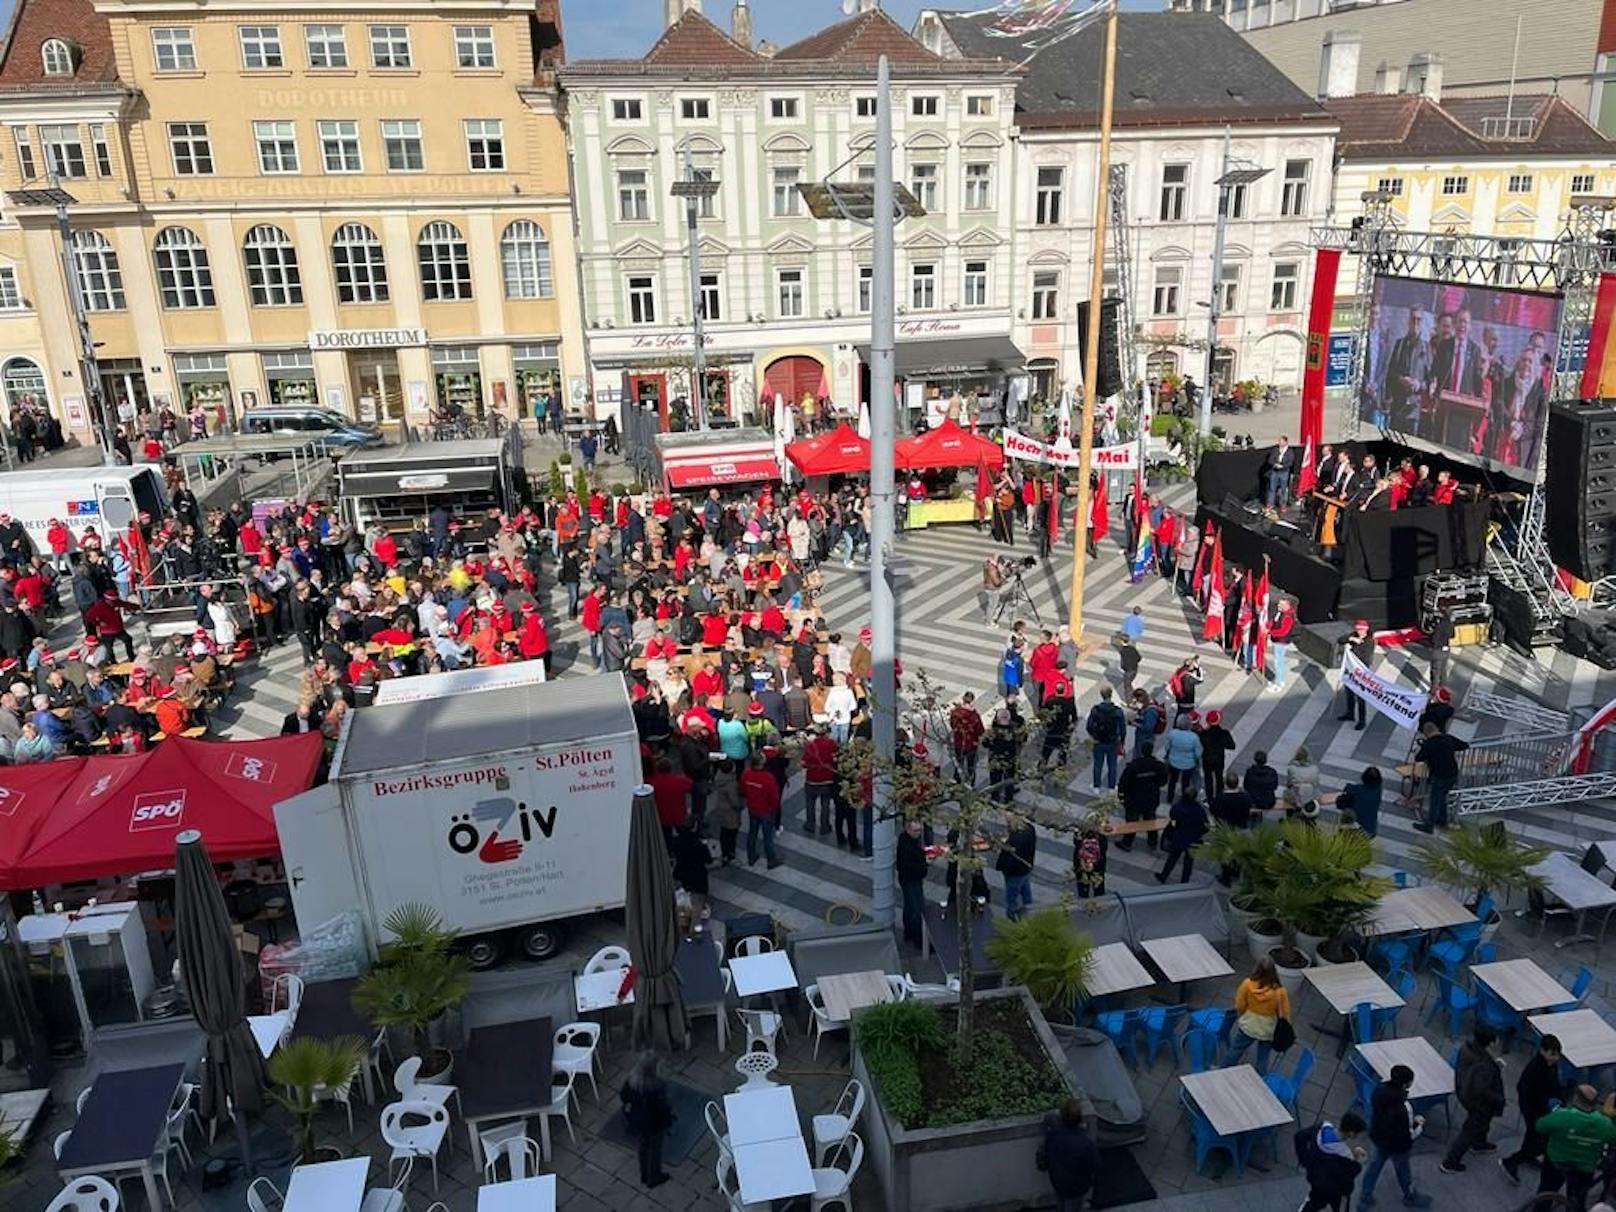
(1579, 989)
(1160, 1024)
(1202, 1047)
(1391, 953)
(1494, 1012)
(1400, 878)
(1120, 1027)
(1361, 1022)
(1453, 998)
(1288, 1089)
(1219, 1022)
(1485, 953)
(1453, 953)
(1385, 1018)
(1207, 1139)
(1364, 1081)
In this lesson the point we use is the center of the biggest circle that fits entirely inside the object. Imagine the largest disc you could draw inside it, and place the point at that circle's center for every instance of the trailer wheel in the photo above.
(484, 951)
(543, 942)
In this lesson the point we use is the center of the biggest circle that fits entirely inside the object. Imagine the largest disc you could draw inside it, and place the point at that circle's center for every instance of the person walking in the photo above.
(1260, 1001)
(1479, 1084)
(1183, 756)
(1393, 1129)
(1440, 752)
(1576, 1136)
(650, 1114)
(819, 779)
(911, 867)
(1015, 863)
(1140, 789)
(761, 794)
(1107, 727)
(1217, 742)
(1538, 1085)
(1186, 827)
(1128, 659)
(1331, 1161)
(1060, 716)
(1069, 1156)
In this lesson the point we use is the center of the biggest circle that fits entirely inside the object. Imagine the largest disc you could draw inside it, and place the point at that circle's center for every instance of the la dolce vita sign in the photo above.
(365, 338)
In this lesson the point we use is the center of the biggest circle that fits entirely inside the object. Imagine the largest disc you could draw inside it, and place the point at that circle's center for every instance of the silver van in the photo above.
(317, 422)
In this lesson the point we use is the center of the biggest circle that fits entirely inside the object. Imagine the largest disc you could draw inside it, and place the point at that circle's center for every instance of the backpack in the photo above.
(1161, 717)
(1306, 1144)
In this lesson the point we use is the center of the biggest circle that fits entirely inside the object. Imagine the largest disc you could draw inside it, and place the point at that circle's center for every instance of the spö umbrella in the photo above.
(653, 935)
(232, 1066)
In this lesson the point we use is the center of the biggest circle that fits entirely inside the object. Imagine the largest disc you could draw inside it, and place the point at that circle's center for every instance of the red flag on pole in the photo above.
(1099, 510)
(1326, 265)
(1260, 650)
(1242, 622)
(1305, 477)
(1213, 627)
(1053, 510)
(1202, 550)
(984, 489)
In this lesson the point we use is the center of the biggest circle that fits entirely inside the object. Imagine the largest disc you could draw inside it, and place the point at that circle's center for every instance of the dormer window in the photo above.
(57, 56)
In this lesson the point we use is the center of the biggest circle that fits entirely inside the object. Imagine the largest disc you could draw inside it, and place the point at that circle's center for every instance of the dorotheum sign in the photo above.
(365, 338)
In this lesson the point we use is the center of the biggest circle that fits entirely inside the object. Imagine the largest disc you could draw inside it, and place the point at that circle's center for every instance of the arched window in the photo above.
(100, 280)
(272, 274)
(360, 267)
(183, 275)
(524, 254)
(57, 57)
(24, 386)
(445, 263)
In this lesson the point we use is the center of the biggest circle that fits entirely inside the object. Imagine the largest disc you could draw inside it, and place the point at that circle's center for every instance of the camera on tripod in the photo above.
(1029, 561)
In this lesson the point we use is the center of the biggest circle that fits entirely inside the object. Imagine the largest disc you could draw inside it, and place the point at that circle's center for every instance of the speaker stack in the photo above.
(1581, 488)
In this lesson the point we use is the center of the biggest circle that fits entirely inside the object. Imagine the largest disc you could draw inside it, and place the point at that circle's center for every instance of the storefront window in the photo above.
(459, 382)
(204, 385)
(538, 376)
(291, 378)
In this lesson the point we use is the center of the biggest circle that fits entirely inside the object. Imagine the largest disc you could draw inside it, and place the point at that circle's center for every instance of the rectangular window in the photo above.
(1237, 201)
(1175, 188)
(190, 149)
(790, 294)
(261, 47)
(976, 284)
(1390, 185)
(25, 153)
(626, 109)
(172, 48)
(711, 302)
(864, 107)
(64, 154)
(923, 287)
(1282, 295)
(327, 46)
(485, 145)
(1046, 294)
(10, 295)
(923, 184)
(277, 147)
(923, 107)
(782, 107)
(1229, 290)
(866, 286)
(101, 150)
(1293, 194)
(389, 46)
(401, 141)
(864, 173)
(1582, 183)
(695, 109)
(339, 146)
(633, 195)
(642, 300)
(978, 187)
(1453, 186)
(1110, 283)
(1164, 301)
(1519, 183)
(474, 46)
(1048, 202)
(979, 105)
(706, 205)
(786, 202)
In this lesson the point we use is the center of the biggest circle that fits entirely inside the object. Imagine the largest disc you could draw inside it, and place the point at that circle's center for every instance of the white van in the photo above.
(107, 498)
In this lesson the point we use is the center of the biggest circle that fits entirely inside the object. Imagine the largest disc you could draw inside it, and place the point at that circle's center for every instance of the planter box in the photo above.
(989, 1165)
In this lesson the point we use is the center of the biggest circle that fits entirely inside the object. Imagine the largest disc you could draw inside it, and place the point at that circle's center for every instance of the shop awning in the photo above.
(721, 469)
(418, 482)
(839, 452)
(953, 356)
(948, 446)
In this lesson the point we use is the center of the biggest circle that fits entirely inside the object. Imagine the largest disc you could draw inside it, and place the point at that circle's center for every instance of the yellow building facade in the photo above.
(364, 208)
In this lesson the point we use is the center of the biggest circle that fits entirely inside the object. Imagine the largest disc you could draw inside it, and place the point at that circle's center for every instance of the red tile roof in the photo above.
(861, 39)
(694, 41)
(36, 21)
(1407, 126)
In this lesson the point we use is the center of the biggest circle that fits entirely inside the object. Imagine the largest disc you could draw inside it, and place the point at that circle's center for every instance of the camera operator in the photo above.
(995, 578)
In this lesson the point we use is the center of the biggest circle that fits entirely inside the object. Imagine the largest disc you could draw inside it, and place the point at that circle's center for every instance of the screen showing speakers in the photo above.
(1469, 368)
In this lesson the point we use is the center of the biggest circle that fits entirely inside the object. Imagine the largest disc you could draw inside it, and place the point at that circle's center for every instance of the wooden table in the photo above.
(1115, 970)
(1522, 984)
(1235, 1100)
(337, 1186)
(845, 992)
(1433, 1076)
(1186, 957)
(1345, 985)
(1586, 1040)
(1419, 908)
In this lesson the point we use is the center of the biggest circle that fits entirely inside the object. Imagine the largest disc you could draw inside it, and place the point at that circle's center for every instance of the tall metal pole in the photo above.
(89, 373)
(1091, 351)
(698, 385)
(883, 494)
(1214, 309)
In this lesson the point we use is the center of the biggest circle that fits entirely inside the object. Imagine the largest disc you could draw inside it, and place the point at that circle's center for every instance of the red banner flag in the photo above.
(1260, 650)
(1053, 510)
(1099, 509)
(1599, 367)
(1242, 620)
(1202, 550)
(1213, 628)
(1326, 266)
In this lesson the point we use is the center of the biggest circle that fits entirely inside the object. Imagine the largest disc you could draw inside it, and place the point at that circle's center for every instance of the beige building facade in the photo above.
(364, 208)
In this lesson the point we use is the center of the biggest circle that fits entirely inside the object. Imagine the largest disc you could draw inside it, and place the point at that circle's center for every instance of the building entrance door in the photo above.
(377, 388)
(123, 387)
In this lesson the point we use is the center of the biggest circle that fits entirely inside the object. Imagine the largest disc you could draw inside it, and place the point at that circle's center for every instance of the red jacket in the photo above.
(661, 646)
(30, 591)
(589, 613)
(706, 683)
(105, 615)
(773, 621)
(966, 725)
(819, 761)
(534, 640)
(761, 793)
(670, 790)
(714, 630)
(1041, 664)
(60, 538)
(1284, 622)
(386, 550)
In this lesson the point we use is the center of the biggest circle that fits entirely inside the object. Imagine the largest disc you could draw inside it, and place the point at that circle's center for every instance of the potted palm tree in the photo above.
(1480, 860)
(302, 1069)
(1044, 951)
(1243, 851)
(419, 978)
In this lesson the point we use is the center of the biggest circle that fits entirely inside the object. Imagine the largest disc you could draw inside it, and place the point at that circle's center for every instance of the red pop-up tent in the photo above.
(837, 453)
(115, 815)
(26, 796)
(948, 446)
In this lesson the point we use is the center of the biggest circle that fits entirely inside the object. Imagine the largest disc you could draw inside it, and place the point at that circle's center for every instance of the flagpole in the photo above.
(1091, 352)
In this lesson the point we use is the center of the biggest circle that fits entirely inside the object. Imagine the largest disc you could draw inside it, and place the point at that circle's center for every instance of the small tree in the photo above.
(418, 979)
(1477, 859)
(302, 1068)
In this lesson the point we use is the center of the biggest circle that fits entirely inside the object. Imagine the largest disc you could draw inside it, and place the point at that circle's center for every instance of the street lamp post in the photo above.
(1232, 176)
(694, 190)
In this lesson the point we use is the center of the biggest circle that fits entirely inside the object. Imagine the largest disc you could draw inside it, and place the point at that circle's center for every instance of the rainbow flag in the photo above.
(1144, 551)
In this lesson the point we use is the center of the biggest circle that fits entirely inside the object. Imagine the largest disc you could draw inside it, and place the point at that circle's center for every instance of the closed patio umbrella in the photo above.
(653, 931)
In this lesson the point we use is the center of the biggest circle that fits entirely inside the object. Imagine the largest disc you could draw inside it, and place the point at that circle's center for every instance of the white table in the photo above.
(774, 1169)
(337, 1186)
(1422, 907)
(764, 973)
(520, 1195)
(1235, 1100)
(1186, 957)
(1433, 1076)
(598, 990)
(1346, 985)
(1115, 969)
(1586, 1040)
(1522, 984)
(268, 1029)
(756, 1116)
(1578, 891)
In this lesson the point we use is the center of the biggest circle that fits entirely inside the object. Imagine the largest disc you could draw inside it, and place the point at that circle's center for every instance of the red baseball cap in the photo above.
(755, 709)
(866, 634)
(1214, 717)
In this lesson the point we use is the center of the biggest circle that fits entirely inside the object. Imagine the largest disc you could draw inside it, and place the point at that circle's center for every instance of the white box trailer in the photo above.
(506, 810)
(107, 498)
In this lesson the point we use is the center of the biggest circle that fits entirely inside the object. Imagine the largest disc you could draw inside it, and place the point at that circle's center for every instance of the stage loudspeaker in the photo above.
(1580, 518)
(1109, 379)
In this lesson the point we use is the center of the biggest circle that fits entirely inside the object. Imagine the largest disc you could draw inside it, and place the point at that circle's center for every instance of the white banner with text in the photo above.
(1103, 458)
(1402, 707)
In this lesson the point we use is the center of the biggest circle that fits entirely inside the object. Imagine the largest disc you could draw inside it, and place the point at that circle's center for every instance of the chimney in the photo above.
(1425, 75)
(1388, 78)
(868, 6)
(672, 10)
(740, 23)
(1338, 64)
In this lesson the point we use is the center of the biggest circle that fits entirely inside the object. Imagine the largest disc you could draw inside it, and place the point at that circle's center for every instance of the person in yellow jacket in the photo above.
(1260, 1002)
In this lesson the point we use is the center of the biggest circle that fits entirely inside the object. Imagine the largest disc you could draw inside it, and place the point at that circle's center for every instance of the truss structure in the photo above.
(1119, 247)
(1523, 712)
(1542, 793)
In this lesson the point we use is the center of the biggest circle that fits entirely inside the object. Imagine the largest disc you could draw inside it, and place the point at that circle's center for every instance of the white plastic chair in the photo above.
(389, 1199)
(754, 944)
(913, 988)
(718, 1126)
(823, 1022)
(341, 1093)
(573, 1050)
(89, 1193)
(608, 959)
(729, 1186)
(185, 1100)
(833, 1184)
(755, 1067)
(899, 987)
(373, 1064)
(761, 1028)
(831, 1129)
(264, 1196)
(78, 1103)
(175, 1135)
(286, 993)
(60, 1143)
(410, 1140)
(560, 1104)
(522, 1157)
(408, 1088)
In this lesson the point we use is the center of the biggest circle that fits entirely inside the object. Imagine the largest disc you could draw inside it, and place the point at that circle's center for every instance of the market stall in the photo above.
(716, 457)
(837, 452)
(946, 447)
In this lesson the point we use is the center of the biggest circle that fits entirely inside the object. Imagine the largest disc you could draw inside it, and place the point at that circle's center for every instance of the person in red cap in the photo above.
(1217, 742)
(533, 641)
(1439, 710)
(1360, 642)
(106, 616)
(862, 663)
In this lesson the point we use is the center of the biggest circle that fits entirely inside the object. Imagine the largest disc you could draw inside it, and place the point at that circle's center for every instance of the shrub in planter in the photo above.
(303, 1067)
(419, 978)
(1477, 860)
(1045, 952)
(1315, 883)
(558, 480)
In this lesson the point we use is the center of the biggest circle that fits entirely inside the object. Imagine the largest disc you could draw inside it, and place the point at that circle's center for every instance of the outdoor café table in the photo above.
(337, 1186)
(504, 1073)
(598, 990)
(1115, 970)
(327, 1012)
(846, 992)
(761, 1115)
(1186, 957)
(1346, 985)
(1522, 984)
(1235, 1100)
(536, 1194)
(1586, 1040)
(701, 982)
(267, 1029)
(766, 973)
(121, 1125)
(771, 1159)
(1433, 1076)
(1419, 908)
(1578, 891)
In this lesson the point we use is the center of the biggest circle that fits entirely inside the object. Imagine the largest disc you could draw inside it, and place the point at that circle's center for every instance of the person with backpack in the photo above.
(1393, 1129)
(1331, 1162)
(1183, 682)
(1108, 729)
(1149, 720)
(1012, 668)
(1186, 827)
(1479, 1085)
